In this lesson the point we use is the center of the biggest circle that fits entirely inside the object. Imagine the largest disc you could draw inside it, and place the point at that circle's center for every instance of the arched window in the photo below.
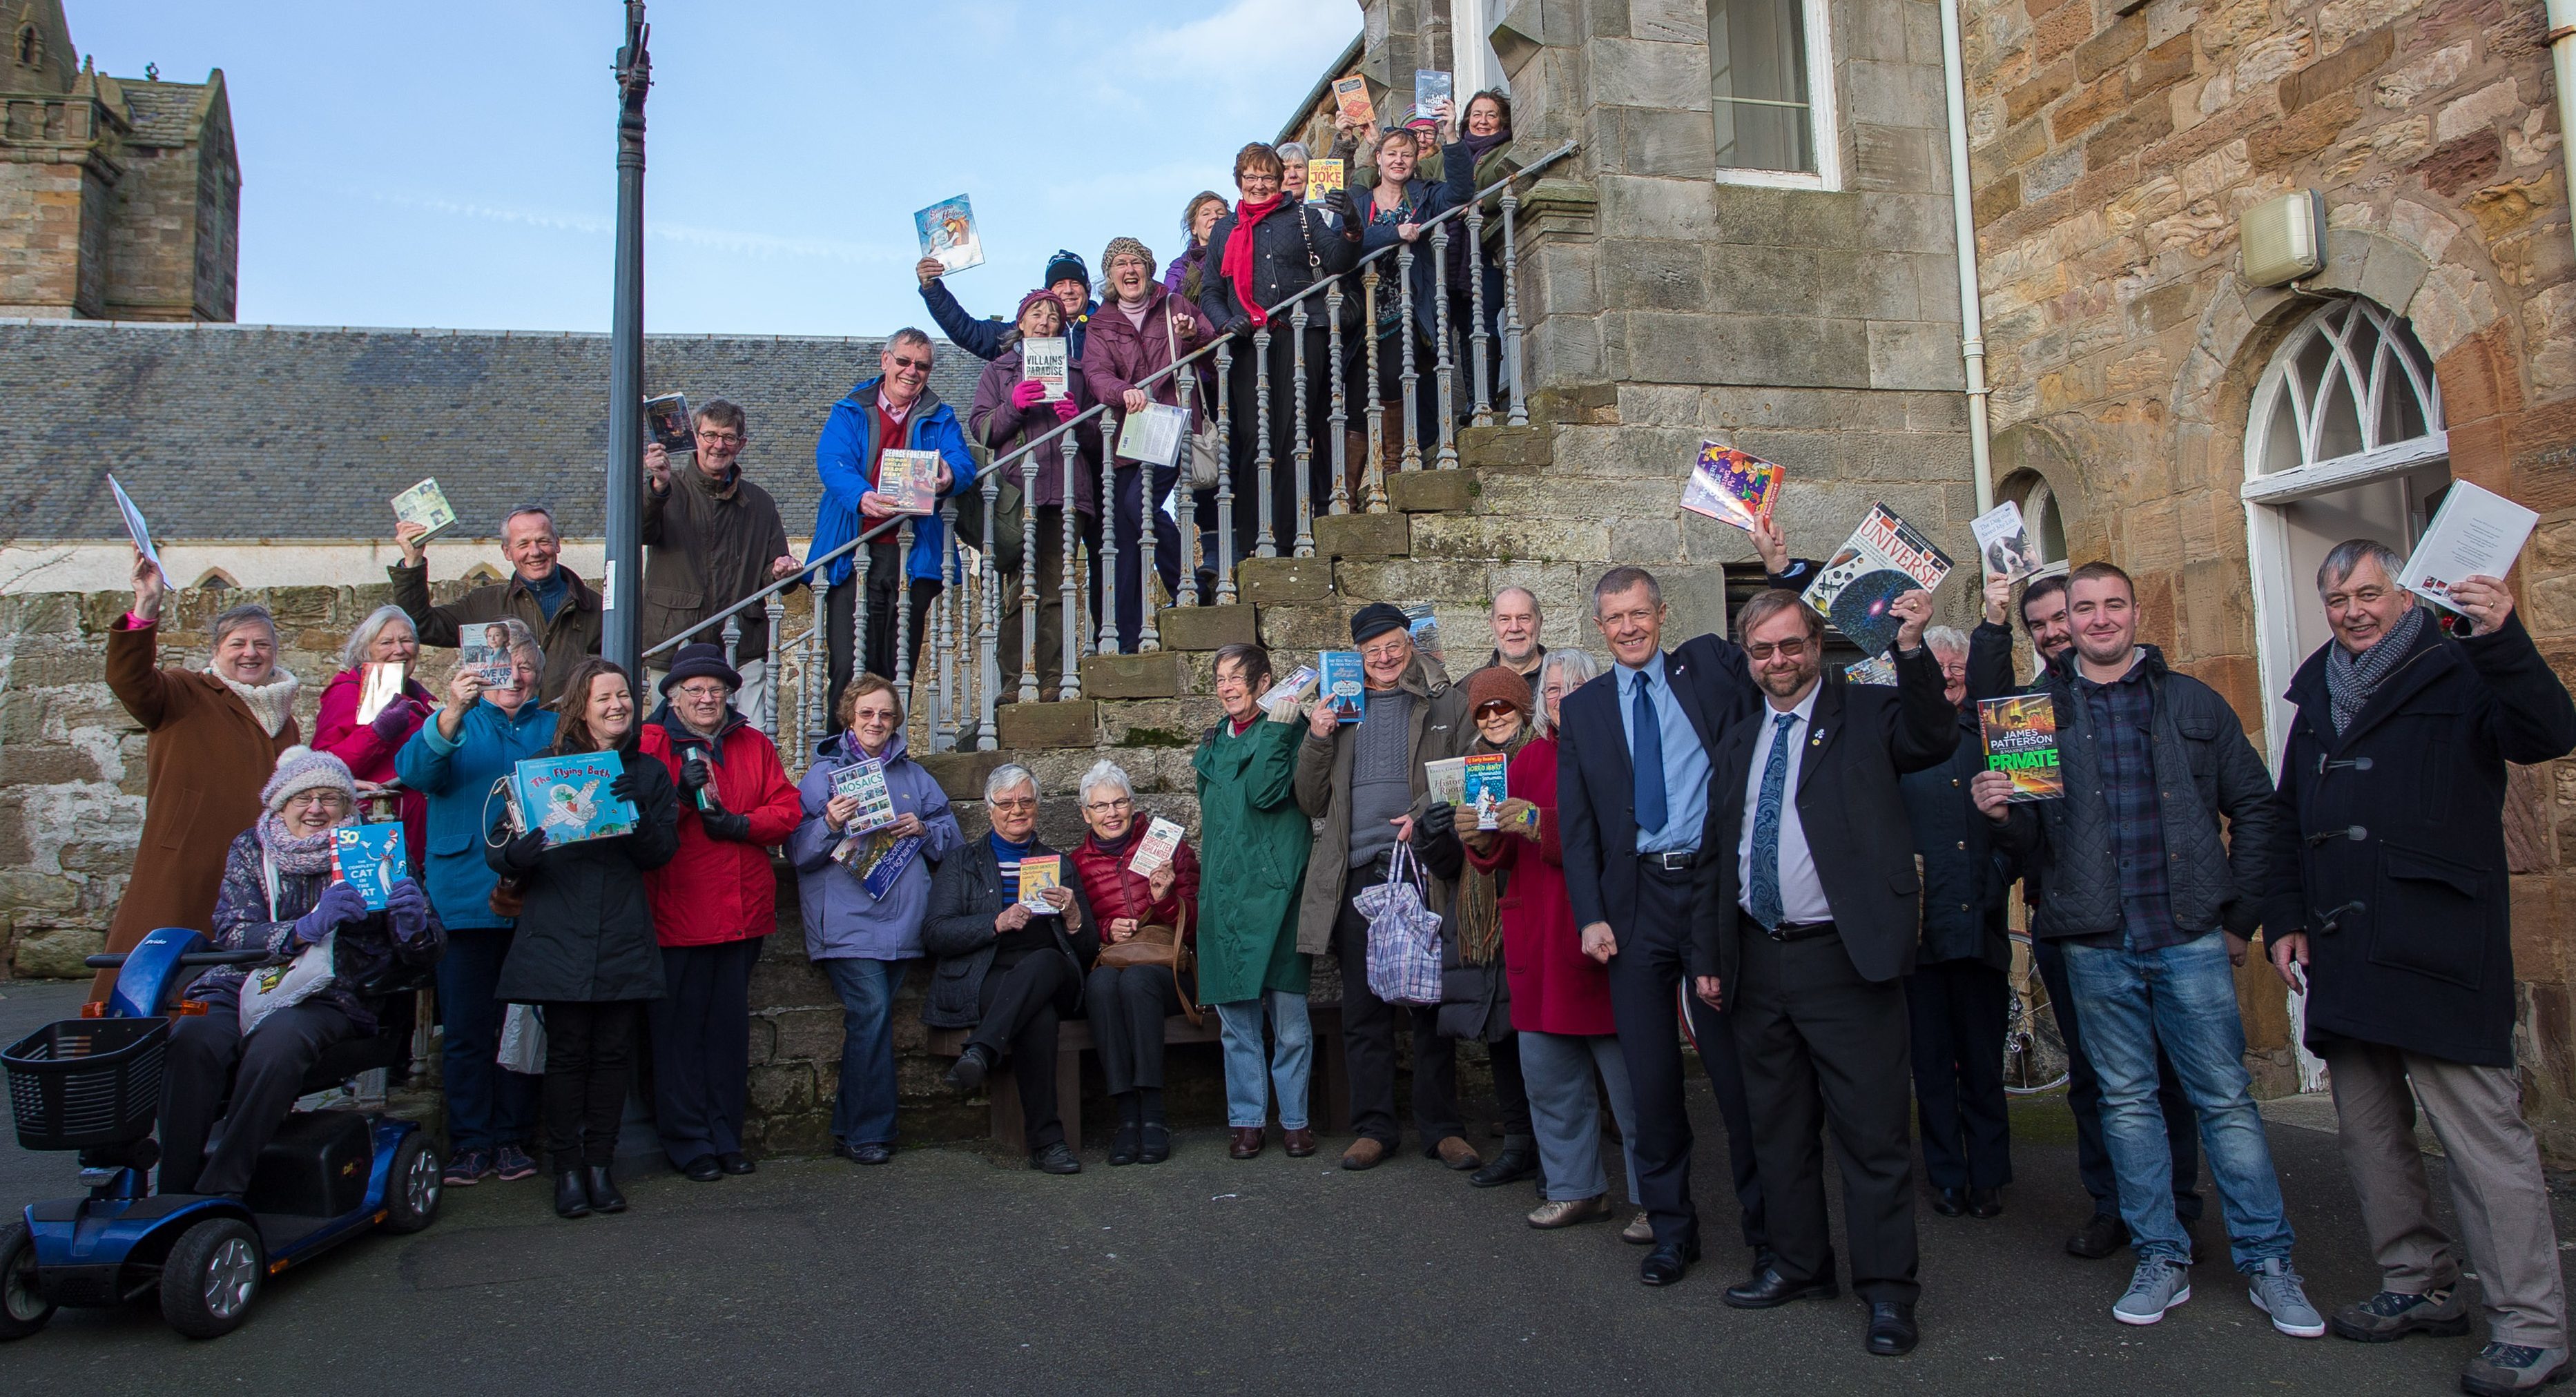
(2347, 393)
(31, 48)
(216, 579)
(2043, 516)
(482, 574)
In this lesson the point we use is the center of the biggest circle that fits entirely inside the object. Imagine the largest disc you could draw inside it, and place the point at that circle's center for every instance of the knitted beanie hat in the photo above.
(1109, 255)
(1493, 683)
(303, 769)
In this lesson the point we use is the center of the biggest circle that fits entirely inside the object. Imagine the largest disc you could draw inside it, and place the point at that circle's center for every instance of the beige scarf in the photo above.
(271, 703)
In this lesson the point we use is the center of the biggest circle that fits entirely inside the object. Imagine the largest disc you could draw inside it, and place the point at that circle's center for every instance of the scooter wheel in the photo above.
(23, 1309)
(211, 1278)
(412, 1185)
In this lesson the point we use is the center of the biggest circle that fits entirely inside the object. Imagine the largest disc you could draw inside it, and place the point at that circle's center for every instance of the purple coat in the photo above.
(995, 425)
(1118, 355)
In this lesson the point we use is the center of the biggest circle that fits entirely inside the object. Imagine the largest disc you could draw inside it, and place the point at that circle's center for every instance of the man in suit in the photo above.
(1805, 929)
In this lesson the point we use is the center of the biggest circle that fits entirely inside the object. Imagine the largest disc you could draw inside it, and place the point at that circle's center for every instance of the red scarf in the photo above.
(1237, 264)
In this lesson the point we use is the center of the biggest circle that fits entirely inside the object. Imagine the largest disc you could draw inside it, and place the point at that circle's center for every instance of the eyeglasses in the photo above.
(720, 438)
(1495, 708)
(320, 797)
(703, 693)
(1381, 654)
(1787, 649)
(1015, 803)
(919, 366)
(1110, 807)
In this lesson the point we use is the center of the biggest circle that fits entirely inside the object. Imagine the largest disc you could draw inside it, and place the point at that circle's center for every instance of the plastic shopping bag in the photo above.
(1403, 936)
(523, 1041)
(269, 988)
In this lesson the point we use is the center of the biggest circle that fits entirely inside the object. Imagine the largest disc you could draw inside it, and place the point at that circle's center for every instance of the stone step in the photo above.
(1519, 449)
(1160, 674)
(1430, 492)
(1272, 581)
(1206, 627)
(1363, 536)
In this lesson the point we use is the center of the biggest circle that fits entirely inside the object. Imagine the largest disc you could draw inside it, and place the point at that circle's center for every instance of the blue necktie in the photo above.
(1763, 898)
(1646, 754)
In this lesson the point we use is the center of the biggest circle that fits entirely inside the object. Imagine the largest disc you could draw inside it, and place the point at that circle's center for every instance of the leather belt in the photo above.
(1671, 860)
(1801, 931)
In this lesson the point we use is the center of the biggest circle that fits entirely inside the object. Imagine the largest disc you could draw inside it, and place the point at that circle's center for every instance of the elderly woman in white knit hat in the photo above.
(281, 892)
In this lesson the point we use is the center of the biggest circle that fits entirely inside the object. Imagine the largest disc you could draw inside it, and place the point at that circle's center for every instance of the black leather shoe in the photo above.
(572, 1197)
(1985, 1202)
(1514, 1164)
(1891, 1328)
(1054, 1159)
(1666, 1265)
(1771, 1290)
(703, 1169)
(1127, 1144)
(734, 1162)
(1949, 1202)
(968, 1073)
(604, 1197)
(872, 1152)
(2100, 1236)
(1157, 1144)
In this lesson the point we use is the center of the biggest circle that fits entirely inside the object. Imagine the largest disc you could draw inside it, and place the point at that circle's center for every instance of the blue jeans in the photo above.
(863, 1110)
(1247, 1095)
(487, 1105)
(2184, 998)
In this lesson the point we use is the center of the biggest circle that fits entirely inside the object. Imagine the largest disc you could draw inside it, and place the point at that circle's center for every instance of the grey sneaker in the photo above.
(2393, 1314)
(2276, 1292)
(2505, 1368)
(2155, 1287)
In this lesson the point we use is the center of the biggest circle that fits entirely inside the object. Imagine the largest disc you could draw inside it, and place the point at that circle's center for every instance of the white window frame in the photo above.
(1471, 52)
(1824, 116)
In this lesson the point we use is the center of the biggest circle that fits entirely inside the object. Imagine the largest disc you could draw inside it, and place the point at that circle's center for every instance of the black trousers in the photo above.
(2084, 1098)
(1025, 995)
(1049, 580)
(1128, 517)
(1244, 434)
(1127, 1010)
(209, 1060)
(1368, 1041)
(883, 569)
(1645, 983)
(1957, 1009)
(1825, 1049)
(590, 1066)
(702, 1047)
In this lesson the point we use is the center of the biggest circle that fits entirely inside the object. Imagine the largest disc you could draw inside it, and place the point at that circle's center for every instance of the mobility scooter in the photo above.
(93, 1084)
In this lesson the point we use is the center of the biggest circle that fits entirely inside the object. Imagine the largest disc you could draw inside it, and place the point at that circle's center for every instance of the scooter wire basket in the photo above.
(78, 1083)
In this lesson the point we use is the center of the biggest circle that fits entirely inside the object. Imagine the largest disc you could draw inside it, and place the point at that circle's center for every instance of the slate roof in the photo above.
(164, 113)
(279, 432)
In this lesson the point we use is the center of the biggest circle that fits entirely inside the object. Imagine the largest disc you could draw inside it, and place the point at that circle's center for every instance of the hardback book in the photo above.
(2021, 741)
(381, 686)
(2475, 532)
(369, 859)
(667, 419)
(1323, 177)
(567, 797)
(947, 230)
(1046, 360)
(1351, 95)
(1282, 697)
(489, 663)
(1446, 778)
(877, 859)
(2003, 541)
(1154, 435)
(1155, 850)
(1039, 872)
(865, 779)
(1344, 684)
(1731, 487)
(1431, 87)
(426, 505)
(136, 529)
(909, 480)
(1884, 559)
(1486, 787)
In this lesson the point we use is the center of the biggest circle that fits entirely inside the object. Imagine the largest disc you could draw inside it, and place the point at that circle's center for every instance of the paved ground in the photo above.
(953, 1270)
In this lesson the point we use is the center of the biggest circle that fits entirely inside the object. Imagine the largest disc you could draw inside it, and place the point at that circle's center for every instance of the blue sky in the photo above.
(453, 164)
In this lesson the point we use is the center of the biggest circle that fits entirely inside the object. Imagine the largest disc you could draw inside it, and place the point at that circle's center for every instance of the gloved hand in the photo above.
(724, 824)
(340, 906)
(1026, 394)
(694, 775)
(1437, 822)
(408, 908)
(397, 721)
(1065, 410)
(1240, 325)
(624, 786)
(1339, 203)
(520, 855)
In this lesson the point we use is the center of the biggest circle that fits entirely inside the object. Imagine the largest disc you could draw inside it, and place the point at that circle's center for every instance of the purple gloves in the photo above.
(397, 721)
(409, 909)
(340, 906)
(1026, 394)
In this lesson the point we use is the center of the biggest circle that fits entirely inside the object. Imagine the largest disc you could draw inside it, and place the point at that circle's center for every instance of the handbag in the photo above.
(1200, 463)
(269, 988)
(1403, 935)
(1156, 944)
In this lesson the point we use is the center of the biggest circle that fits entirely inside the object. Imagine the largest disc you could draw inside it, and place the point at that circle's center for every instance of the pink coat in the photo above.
(336, 730)
(1555, 987)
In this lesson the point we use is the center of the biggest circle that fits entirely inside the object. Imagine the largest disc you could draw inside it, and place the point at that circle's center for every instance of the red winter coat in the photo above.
(336, 730)
(717, 890)
(1555, 987)
(1115, 892)
(1116, 355)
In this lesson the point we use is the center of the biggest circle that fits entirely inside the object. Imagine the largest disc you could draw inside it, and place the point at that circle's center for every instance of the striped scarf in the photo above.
(2351, 679)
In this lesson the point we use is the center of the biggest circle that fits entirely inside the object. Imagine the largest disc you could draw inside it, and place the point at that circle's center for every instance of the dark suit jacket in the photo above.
(1859, 740)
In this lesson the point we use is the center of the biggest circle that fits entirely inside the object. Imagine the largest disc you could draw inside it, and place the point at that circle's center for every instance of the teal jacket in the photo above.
(457, 777)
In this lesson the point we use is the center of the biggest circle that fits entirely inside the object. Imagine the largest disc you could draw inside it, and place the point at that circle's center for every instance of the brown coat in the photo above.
(708, 545)
(204, 763)
(572, 634)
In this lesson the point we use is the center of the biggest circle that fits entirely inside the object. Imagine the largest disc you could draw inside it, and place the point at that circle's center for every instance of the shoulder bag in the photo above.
(1201, 463)
(1156, 944)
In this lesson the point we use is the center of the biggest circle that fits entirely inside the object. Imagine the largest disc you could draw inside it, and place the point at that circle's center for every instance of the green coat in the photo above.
(1253, 842)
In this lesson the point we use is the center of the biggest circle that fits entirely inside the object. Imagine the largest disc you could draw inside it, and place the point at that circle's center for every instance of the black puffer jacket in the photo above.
(1964, 878)
(585, 933)
(2214, 882)
(1279, 268)
(966, 894)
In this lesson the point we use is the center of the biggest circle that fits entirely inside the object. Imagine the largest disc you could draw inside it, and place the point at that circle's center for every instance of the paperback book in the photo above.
(1882, 560)
(1877, 669)
(1432, 87)
(369, 858)
(136, 529)
(489, 663)
(2475, 532)
(1323, 177)
(909, 480)
(1731, 487)
(865, 780)
(1446, 779)
(1288, 693)
(666, 418)
(426, 505)
(1486, 789)
(1351, 96)
(947, 230)
(1154, 435)
(1344, 684)
(878, 859)
(1039, 872)
(381, 686)
(1154, 852)
(2021, 741)
(2003, 540)
(1045, 360)
(567, 797)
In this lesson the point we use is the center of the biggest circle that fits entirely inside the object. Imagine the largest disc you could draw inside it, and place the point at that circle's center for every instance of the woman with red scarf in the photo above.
(1264, 251)
(1128, 1004)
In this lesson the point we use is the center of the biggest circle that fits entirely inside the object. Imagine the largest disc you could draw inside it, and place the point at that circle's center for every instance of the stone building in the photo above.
(119, 199)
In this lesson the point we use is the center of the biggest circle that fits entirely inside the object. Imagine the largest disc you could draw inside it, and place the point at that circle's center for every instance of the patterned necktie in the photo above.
(1763, 898)
(1646, 754)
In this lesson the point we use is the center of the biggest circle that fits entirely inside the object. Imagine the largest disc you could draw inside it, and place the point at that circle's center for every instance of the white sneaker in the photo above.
(2155, 1287)
(2276, 1292)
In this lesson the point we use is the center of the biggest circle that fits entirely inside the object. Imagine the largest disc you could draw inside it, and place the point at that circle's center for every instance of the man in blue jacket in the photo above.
(1067, 278)
(894, 409)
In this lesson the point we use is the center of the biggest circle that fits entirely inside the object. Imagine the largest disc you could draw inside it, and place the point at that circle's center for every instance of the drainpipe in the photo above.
(1972, 320)
(2562, 59)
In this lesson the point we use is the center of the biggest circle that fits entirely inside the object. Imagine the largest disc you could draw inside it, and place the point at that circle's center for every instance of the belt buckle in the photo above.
(1673, 860)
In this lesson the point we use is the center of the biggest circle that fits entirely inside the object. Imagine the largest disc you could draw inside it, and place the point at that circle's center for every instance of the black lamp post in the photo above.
(622, 583)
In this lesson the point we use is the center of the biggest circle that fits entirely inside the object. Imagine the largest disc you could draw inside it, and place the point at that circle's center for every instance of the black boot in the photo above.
(1157, 1144)
(572, 1197)
(603, 1190)
(1129, 1142)
(1518, 1161)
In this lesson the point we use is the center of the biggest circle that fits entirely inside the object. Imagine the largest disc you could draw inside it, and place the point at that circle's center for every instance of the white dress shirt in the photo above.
(1802, 894)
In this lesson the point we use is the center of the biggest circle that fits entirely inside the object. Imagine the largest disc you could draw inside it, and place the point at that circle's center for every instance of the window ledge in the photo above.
(1772, 179)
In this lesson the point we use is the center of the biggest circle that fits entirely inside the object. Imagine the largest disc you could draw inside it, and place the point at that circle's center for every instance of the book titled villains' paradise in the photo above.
(2021, 741)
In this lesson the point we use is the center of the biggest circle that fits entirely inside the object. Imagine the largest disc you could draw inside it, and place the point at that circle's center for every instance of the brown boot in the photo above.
(1364, 1153)
(1300, 1142)
(1247, 1142)
(1456, 1153)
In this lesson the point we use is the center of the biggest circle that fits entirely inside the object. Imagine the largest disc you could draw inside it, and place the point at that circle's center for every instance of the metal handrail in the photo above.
(799, 577)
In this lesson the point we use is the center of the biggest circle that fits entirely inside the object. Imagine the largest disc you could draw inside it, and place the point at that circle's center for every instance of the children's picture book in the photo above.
(567, 797)
(1486, 788)
(2021, 740)
(667, 419)
(1323, 177)
(2003, 541)
(1882, 560)
(878, 859)
(136, 529)
(426, 505)
(865, 779)
(488, 662)
(370, 858)
(1154, 435)
(1446, 779)
(2475, 532)
(381, 686)
(1045, 360)
(1351, 95)
(1154, 851)
(1731, 487)
(1039, 872)
(1877, 669)
(909, 480)
(1344, 684)
(1432, 87)
(947, 231)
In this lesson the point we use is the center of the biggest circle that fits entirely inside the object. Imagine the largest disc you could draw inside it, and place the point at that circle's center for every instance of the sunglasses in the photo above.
(919, 366)
(1495, 708)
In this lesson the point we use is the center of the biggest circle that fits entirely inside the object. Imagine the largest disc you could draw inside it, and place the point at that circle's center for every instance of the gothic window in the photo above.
(31, 48)
(2349, 390)
(2042, 515)
(1772, 91)
(216, 580)
(482, 574)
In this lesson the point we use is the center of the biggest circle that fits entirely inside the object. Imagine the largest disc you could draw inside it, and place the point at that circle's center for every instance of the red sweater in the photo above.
(1116, 892)
(716, 890)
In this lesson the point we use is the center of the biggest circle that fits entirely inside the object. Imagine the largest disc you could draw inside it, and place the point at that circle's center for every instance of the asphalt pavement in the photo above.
(955, 1269)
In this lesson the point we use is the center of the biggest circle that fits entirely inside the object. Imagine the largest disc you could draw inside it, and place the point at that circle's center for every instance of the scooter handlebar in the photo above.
(117, 961)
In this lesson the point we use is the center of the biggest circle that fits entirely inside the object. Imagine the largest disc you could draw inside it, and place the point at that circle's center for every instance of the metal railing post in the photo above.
(1478, 338)
(1070, 685)
(1408, 333)
(1225, 474)
(1301, 453)
(1441, 357)
(1104, 561)
(1340, 421)
(1512, 311)
(1265, 544)
(1375, 488)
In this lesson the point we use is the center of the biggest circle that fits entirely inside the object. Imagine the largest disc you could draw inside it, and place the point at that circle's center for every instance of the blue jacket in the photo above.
(983, 338)
(457, 777)
(842, 458)
(841, 921)
(1429, 201)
